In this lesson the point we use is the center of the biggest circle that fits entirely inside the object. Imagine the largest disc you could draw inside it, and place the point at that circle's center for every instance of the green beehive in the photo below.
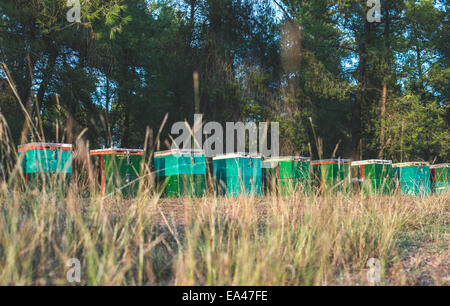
(332, 175)
(413, 178)
(284, 175)
(440, 178)
(373, 176)
(181, 172)
(119, 170)
(42, 160)
(238, 173)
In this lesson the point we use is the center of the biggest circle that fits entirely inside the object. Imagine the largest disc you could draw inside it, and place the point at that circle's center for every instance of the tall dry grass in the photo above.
(298, 241)
(301, 240)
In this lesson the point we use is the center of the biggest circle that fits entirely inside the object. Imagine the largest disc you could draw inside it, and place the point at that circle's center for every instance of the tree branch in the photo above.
(284, 10)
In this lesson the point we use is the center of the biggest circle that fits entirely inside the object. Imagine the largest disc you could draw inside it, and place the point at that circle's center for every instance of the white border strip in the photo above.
(61, 145)
(337, 160)
(237, 155)
(116, 149)
(410, 164)
(440, 166)
(372, 162)
(287, 158)
(179, 152)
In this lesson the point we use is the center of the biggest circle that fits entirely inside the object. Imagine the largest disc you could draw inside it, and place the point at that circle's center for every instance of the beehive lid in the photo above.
(411, 164)
(372, 162)
(237, 155)
(179, 152)
(117, 151)
(440, 166)
(45, 146)
(287, 158)
(330, 161)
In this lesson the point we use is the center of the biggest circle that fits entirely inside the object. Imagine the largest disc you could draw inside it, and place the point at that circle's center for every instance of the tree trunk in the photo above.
(108, 137)
(46, 78)
(419, 70)
(385, 72)
(360, 99)
(25, 96)
(358, 105)
(124, 100)
(382, 117)
(126, 127)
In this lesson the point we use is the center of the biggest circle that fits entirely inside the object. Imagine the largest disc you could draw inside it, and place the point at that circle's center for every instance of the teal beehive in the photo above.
(413, 178)
(44, 159)
(238, 173)
(181, 172)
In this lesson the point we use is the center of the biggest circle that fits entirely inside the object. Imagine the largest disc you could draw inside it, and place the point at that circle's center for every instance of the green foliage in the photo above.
(321, 70)
(417, 131)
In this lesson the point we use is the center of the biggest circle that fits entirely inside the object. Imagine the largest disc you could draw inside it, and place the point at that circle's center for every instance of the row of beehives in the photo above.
(184, 172)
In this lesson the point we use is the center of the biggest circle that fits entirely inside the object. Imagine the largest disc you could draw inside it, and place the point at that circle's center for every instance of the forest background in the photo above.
(333, 80)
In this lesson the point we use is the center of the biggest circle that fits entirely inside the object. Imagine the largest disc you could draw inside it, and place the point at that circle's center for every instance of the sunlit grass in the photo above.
(300, 240)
